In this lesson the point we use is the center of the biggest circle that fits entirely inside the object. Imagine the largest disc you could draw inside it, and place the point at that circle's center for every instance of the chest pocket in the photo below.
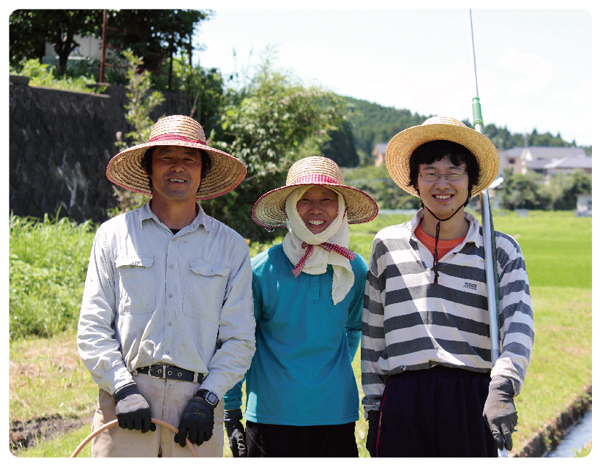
(204, 290)
(136, 284)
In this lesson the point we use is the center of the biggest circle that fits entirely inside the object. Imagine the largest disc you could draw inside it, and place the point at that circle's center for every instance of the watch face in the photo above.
(211, 398)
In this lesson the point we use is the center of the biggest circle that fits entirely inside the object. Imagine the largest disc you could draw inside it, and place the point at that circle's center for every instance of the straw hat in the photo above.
(226, 172)
(269, 210)
(402, 145)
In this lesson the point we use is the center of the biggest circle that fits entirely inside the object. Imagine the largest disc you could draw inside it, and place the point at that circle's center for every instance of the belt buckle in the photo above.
(161, 372)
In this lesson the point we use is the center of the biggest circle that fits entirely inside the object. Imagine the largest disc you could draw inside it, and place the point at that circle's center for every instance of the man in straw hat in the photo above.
(166, 324)
(302, 398)
(426, 350)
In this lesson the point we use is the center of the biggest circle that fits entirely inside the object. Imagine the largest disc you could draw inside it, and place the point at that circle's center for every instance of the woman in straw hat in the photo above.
(166, 323)
(302, 398)
(426, 350)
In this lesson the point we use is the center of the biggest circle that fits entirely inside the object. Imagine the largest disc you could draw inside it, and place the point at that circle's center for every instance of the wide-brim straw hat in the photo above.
(269, 209)
(403, 144)
(226, 172)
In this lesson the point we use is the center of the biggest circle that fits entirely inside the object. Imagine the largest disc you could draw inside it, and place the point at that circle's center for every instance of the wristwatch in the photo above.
(210, 397)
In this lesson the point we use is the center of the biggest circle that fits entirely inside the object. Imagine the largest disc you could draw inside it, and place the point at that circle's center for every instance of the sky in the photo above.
(533, 66)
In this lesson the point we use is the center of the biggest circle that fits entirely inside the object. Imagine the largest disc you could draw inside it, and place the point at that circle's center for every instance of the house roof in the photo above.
(557, 152)
(562, 163)
(575, 162)
(515, 152)
(544, 152)
(381, 147)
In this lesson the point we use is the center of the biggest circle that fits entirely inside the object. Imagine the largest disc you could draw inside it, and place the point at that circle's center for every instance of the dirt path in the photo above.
(24, 435)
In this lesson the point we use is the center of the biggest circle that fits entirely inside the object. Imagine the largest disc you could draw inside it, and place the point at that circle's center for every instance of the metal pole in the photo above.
(488, 232)
(477, 118)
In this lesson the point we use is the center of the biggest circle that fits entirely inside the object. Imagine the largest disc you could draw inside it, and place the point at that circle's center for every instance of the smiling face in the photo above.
(318, 208)
(443, 197)
(176, 173)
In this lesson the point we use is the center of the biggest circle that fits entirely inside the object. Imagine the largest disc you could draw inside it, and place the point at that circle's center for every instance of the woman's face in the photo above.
(318, 208)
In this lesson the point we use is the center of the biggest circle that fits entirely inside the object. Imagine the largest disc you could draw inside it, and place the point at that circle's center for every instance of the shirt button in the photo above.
(171, 266)
(170, 296)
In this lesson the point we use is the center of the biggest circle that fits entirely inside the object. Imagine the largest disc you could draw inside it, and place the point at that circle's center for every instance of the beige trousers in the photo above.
(167, 399)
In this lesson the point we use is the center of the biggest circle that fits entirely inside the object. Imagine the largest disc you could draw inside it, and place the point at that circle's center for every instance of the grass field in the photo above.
(47, 377)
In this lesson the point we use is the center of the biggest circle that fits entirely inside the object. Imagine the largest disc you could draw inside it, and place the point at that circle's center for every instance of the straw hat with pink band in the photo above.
(403, 144)
(312, 253)
(269, 209)
(226, 172)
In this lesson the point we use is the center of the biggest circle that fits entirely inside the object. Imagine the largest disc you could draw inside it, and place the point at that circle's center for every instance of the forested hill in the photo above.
(371, 124)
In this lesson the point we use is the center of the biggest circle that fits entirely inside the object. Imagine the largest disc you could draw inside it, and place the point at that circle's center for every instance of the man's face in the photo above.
(176, 172)
(443, 197)
(318, 207)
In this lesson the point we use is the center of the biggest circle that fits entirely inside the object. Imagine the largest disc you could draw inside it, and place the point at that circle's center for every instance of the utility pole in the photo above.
(103, 55)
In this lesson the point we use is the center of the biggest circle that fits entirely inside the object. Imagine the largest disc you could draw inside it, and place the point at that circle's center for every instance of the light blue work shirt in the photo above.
(301, 373)
(154, 297)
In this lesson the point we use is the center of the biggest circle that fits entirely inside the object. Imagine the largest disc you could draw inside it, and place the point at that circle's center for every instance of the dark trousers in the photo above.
(435, 413)
(264, 440)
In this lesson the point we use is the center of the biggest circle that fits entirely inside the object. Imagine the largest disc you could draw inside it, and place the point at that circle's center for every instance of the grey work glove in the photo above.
(235, 432)
(133, 411)
(196, 422)
(373, 419)
(499, 411)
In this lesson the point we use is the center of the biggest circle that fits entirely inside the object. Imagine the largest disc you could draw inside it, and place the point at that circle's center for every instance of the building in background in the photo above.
(545, 160)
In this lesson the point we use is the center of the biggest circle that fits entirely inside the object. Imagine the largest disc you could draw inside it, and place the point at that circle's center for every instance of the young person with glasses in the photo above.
(427, 374)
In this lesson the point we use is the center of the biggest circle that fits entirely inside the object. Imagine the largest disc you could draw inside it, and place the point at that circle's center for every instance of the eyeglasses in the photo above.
(435, 177)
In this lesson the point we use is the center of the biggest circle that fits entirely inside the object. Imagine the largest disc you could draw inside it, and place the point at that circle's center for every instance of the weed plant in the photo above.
(47, 265)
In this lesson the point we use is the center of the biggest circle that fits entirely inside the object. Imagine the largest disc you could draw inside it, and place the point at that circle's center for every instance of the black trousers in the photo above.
(263, 440)
(435, 413)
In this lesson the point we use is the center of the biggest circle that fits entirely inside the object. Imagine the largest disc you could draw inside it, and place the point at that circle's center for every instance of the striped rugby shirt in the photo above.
(409, 323)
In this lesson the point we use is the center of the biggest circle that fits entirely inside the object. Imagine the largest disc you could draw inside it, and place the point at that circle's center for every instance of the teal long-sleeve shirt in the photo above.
(301, 373)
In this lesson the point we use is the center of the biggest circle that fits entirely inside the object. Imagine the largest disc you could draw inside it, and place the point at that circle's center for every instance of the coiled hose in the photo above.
(116, 422)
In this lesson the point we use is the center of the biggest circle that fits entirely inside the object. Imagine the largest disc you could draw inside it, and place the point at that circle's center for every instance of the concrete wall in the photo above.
(60, 145)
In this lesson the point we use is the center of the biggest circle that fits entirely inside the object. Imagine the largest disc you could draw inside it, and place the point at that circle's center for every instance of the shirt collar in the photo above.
(472, 234)
(201, 219)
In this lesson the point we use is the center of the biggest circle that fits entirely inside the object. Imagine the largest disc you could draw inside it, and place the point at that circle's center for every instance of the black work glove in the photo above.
(235, 432)
(196, 422)
(499, 411)
(133, 411)
(373, 419)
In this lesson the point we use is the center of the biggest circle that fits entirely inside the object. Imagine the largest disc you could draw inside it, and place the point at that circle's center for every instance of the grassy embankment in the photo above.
(47, 377)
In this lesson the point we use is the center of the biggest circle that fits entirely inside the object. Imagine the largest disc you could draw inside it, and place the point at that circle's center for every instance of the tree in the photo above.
(156, 36)
(568, 186)
(31, 29)
(269, 123)
(204, 91)
(142, 100)
(525, 191)
(547, 140)
(502, 138)
(341, 146)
